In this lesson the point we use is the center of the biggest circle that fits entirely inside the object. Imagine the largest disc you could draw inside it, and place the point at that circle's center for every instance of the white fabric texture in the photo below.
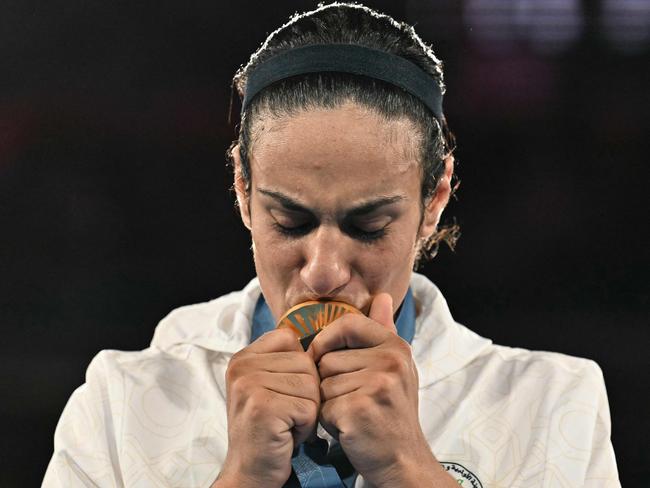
(494, 416)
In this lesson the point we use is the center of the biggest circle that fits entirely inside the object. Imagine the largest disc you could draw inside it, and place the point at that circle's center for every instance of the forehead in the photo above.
(338, 154)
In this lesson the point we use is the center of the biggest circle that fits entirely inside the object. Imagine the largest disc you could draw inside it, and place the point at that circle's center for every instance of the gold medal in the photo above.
(308, 318)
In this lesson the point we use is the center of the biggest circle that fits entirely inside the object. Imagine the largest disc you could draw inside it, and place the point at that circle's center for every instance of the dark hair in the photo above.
(346, 23)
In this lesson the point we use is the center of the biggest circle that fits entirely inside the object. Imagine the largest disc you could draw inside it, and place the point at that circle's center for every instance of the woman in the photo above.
(343, 167)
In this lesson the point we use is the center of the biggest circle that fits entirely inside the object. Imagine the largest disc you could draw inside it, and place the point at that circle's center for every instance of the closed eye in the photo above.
(362, 223)
(367, 228)
(294, 230)
(297, 231)
(366, 235)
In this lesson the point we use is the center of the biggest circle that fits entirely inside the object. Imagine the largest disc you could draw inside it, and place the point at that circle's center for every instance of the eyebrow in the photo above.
(361, 209)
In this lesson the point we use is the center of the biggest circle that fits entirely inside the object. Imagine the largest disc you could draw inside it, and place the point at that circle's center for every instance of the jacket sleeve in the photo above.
(601, 469)
(85, 446)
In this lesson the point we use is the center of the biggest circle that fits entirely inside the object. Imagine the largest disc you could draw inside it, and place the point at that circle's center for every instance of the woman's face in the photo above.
(334, 206)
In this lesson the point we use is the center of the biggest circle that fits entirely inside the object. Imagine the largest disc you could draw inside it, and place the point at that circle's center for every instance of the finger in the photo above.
(298, 385)
(328, 420)
(343, 414)
(345, 361)
(278, 413)
(245, 364)
(277, 340)
(351, 331)
(393, 356)
(346, 414)
(381, 311)
(304, 414)
(341, 384)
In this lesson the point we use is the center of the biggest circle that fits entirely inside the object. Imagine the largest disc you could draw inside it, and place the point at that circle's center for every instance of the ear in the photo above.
(438, 201)
(243, 196)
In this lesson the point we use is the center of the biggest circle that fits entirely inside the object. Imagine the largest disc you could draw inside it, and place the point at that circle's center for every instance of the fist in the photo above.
(273, 399)
(369, 393)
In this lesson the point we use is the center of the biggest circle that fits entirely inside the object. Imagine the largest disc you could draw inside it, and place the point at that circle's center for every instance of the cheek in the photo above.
(380, 266)
(274, 255)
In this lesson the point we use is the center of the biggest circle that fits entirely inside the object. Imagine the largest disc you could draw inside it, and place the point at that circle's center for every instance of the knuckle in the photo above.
(237, 384)
(330, 413)
(323, 364)
(230, 375)
(242, 353)
(257, 404)
(404, 347)
(385, 387)
(287, 338)
(236, 365)
(363, 404)
(305, 411)
(245, 379)
(385, 382)
(304, 361)
(231, 370)
(326, 386)
(328, 382)
(396, 362)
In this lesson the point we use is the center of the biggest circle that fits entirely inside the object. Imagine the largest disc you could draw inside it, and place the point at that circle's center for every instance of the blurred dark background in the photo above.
(114, 201)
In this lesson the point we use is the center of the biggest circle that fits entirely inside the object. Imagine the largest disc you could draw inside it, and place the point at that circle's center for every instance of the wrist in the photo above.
(431, 474)
(235, 480)
(415, 471)
(227, 481)
(237, 474)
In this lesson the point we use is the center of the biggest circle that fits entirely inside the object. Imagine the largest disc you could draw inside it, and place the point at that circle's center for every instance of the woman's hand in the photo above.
(272, 405)
(369, 390)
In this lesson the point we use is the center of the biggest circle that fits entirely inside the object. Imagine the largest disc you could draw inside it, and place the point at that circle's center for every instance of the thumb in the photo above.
(381, 310)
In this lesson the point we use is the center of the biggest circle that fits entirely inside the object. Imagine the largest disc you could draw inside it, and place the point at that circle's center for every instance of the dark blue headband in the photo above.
(346, 58)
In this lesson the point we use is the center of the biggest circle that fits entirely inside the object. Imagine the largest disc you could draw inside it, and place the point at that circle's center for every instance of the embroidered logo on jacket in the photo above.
(462, 475)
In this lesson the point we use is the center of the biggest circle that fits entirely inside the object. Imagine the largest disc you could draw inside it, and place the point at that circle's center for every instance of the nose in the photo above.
(326, 270)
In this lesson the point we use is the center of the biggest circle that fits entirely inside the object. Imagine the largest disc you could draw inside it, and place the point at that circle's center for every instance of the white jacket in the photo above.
(494, 416)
